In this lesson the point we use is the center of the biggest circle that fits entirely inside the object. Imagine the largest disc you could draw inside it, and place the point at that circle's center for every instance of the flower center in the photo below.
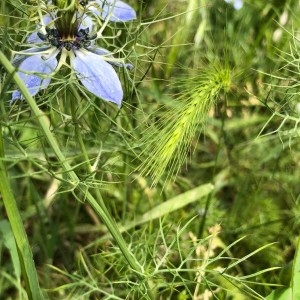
(81, 39)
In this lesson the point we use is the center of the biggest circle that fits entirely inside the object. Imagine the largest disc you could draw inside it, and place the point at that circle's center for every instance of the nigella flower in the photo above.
(237, 4)
(93, 66)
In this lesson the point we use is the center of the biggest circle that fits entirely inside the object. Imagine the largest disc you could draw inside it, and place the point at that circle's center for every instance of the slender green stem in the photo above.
(84, 152)
(15, 220)
(74, 180)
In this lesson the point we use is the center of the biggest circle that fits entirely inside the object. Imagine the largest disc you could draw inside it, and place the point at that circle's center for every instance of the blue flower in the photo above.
(237, 4)
(93, 66)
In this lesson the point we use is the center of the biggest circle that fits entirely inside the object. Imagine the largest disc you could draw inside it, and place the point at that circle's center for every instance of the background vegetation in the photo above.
(199, 168)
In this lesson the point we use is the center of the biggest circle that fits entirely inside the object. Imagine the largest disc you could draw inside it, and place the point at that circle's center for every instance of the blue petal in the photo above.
(116, 10)
(18, 59)
(86, 22)
(237, 4)
(98, 76)
(34, 38)
(34, 82)
(108, 54)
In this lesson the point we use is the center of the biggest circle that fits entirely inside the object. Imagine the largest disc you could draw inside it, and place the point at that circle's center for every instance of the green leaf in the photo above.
(10, 244)
(295, 284)
(293, 292)
(177, 203)
(281, 294)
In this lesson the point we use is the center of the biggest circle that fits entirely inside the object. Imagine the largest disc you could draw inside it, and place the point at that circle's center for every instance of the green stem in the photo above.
(83, 150)
(15, 220)
(75, 181)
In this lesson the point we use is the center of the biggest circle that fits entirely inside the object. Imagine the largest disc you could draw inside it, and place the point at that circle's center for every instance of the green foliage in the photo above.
(189, 191)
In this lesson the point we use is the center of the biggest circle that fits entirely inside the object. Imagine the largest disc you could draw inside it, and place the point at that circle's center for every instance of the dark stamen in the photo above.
(80, 40)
